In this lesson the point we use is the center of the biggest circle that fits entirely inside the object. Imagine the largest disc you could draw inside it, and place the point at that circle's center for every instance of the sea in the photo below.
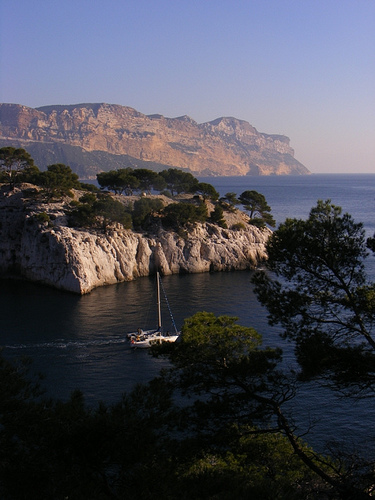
(80, 342)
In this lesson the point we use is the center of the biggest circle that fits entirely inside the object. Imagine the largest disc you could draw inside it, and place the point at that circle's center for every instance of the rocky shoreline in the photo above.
(77, 260)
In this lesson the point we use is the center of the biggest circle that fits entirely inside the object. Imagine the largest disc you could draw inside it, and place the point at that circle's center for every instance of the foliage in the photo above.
(259, 210)
(146, 447)
(128, 180)
(254, 465)
(111, 210)
(238, 226)
(214, 353)
(207, 191)
(319, 293)
(43, 217)
(149, 179)
(178, 215)
(119, 181)
(178, 181)
(237, 391)
(216, 216)
(89, 187)
(99, 211)
(14, 163)
(53, 449)
(58, 180)
(229, 201)
(144, 210)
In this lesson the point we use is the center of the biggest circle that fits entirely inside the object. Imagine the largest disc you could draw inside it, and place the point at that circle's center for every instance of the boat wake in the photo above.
(68, 344)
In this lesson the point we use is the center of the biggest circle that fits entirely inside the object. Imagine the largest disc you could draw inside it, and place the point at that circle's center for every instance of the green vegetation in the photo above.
(232, 437)
(217, 216)
(323, 300)
(43, 218)
(178, 181)
(16, 165)
(100, 211)
(238, 226)
(149, 180)
(259, 210)
(145, 211)
(57, 181)
(119, 181)
(178, 215)
(127, 181)
(229, 201)
(207, 191)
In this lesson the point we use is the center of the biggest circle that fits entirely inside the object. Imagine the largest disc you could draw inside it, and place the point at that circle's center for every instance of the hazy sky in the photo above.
(303, 68)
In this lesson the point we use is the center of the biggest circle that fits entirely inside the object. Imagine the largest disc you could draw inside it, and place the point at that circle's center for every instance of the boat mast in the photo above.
(158, 299)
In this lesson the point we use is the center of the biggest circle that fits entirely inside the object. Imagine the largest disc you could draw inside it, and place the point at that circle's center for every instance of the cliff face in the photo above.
(226, 146)
(78, 261)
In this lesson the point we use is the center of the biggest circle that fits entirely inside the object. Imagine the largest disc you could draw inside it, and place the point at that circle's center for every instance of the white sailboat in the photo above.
(144, 339)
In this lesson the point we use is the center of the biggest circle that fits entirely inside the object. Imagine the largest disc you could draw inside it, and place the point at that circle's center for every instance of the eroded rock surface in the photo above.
(79, 260)
(95, 137)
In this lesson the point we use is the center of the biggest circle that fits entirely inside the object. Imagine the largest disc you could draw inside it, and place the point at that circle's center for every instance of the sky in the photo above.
(301, 68)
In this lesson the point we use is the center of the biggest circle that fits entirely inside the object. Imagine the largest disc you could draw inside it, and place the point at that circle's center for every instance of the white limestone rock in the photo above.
(79, 261)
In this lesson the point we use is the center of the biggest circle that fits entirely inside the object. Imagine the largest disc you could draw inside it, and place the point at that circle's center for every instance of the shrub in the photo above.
(239, 226)
(42, 218)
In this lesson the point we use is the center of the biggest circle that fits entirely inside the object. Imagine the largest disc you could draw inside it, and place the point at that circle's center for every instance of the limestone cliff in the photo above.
(99, 137)
(78, 261)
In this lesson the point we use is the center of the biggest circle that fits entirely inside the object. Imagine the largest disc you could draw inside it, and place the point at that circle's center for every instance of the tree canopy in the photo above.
(58, 180)
(178, 181)
(237, 388)
(14, 162)
(177, 215)
(149, 180)
(145, 446)
(100, 210)
(143, 211)
(318, 291)
(119, 181)
(259, 210)
(207, 191)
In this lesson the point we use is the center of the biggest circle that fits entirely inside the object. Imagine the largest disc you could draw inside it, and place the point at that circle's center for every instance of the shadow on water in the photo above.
(79, 342)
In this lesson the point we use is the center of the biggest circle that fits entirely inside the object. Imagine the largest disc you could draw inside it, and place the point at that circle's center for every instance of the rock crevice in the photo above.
(94, 137)
(78, 260)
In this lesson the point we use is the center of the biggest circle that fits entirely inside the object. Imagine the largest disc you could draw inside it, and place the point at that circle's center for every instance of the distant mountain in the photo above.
(91, 138)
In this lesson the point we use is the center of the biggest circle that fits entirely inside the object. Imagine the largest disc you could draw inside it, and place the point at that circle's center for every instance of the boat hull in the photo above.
(147, 341)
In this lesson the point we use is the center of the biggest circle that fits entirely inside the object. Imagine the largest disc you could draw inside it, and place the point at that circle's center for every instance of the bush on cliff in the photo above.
(178, 215)
(144, 211)
(259, 210)
(120, 181)
(98, 211)
(58, 180)
(217, 217)
(178, 181)
(16, 165)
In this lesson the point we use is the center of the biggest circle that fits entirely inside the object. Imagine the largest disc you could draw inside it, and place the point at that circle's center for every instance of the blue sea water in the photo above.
(79, 342)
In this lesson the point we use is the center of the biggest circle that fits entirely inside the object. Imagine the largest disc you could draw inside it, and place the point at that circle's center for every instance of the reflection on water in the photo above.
(80, 341)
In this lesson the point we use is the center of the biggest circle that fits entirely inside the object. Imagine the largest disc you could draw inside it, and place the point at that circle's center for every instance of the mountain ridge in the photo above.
(92, 137)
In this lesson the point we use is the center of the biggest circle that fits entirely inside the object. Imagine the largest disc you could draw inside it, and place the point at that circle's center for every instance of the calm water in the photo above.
(78, 342)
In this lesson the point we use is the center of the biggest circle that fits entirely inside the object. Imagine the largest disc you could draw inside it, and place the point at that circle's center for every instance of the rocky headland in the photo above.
(91, 138)
(50, 252)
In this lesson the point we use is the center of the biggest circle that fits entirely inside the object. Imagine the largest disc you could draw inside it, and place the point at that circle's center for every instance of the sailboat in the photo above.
(144, 339)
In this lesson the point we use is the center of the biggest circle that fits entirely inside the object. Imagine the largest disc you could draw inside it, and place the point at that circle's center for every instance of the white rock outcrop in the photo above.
(79, 261)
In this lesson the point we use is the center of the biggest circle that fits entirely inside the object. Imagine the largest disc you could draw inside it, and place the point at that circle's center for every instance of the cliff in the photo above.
(78, 261)
(99, 137)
